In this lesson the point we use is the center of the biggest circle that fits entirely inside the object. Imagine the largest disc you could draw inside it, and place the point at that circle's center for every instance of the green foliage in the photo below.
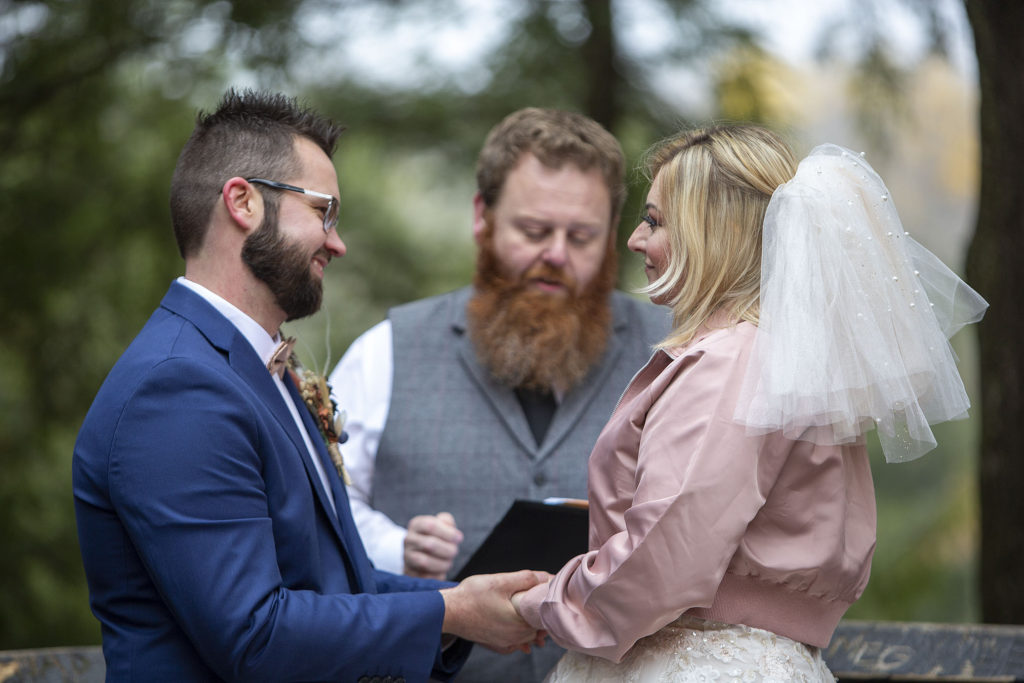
(90, 136)
(96, 99)
(85, 244)
(925, 562)
(926, 566)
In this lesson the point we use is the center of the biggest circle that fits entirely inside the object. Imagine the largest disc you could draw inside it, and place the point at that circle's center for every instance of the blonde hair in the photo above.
(714, 187)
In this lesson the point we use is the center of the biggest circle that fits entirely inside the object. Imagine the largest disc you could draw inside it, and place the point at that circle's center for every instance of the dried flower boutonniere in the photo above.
(316, 394)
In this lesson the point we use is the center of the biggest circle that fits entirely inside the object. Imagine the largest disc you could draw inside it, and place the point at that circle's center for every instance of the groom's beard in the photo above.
(284, 267)
(532, 339)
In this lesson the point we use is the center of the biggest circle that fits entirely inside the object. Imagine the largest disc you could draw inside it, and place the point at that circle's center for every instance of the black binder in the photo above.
(533, 534)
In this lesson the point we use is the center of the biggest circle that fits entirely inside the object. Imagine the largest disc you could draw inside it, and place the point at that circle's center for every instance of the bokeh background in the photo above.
(98, 96)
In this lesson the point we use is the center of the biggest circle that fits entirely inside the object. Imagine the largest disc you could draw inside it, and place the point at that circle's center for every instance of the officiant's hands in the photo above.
(431, 543)
(480, 609)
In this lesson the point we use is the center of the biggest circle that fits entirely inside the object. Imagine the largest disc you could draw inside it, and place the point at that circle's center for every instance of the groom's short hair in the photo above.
(251, 134)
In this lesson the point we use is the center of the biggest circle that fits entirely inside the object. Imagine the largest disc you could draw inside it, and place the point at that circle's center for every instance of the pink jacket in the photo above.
(690, 515)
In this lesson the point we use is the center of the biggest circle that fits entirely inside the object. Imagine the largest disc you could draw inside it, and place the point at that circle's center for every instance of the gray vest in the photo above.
(457, 441)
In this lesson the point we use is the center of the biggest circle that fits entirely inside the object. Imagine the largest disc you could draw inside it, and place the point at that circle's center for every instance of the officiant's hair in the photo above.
(714, 187)
(555, 137)
(251, 134)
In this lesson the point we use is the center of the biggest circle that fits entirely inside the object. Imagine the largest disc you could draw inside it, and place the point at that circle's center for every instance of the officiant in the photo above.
(460, 403)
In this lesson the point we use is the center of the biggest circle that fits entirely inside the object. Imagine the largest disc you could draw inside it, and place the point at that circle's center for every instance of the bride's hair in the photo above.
(714, 186)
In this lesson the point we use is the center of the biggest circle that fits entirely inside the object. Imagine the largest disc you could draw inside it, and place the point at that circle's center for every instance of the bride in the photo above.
(732, 512)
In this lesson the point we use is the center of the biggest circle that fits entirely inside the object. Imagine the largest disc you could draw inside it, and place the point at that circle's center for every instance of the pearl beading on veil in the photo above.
(855, 316)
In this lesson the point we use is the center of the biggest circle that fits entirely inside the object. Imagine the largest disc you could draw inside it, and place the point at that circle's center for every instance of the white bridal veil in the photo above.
(855, 316)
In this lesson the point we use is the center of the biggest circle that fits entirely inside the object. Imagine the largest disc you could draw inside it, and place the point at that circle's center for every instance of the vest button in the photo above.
(539, 479)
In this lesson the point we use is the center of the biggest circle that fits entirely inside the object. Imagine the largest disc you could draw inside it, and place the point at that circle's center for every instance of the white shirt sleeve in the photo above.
(361, 385)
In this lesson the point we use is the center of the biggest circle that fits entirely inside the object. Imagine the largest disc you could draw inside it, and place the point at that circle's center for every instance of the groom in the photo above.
(215, 532)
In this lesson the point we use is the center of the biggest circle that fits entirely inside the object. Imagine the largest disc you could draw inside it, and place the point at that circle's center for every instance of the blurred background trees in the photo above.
(97, 97)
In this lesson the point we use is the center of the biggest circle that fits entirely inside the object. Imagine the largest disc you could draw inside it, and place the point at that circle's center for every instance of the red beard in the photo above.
(529, 339)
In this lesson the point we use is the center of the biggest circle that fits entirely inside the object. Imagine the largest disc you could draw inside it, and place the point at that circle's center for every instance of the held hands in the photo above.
(431, 543)
(480, 609)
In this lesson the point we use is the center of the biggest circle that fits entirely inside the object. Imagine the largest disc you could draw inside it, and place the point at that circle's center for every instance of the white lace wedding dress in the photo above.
(691, 649)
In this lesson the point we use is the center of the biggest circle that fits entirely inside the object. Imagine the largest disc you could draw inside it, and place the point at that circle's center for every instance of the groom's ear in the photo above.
(242, 203)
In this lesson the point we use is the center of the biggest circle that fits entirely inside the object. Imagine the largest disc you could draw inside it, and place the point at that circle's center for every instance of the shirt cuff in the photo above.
(529, 605)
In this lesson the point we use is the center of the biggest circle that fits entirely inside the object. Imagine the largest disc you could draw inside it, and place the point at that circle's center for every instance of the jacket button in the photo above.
(539, 479)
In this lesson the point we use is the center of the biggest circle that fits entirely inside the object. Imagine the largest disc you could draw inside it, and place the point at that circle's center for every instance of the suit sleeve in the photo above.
(186, 476)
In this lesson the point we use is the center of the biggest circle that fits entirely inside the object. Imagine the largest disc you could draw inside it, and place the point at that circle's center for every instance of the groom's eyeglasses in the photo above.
(330, 213)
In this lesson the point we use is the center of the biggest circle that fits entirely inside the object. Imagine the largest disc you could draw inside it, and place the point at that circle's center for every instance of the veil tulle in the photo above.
(855, 316)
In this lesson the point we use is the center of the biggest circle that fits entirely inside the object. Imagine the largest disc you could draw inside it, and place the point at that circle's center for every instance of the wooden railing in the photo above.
(897, 651)
(861, 651)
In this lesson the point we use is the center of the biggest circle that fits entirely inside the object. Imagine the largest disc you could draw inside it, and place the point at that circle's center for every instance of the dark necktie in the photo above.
(539, 408)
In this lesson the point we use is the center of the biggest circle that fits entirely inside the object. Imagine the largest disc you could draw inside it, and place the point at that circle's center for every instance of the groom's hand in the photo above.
(480, 609)
(431, 543)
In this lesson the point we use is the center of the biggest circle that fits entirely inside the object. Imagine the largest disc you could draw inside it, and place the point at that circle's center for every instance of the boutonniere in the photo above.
(316, 394)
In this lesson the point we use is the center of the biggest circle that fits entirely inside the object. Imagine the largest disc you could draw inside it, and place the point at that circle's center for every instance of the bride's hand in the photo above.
(516, 598)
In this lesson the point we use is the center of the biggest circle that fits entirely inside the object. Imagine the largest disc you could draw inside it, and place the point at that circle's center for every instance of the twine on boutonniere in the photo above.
(316, 394)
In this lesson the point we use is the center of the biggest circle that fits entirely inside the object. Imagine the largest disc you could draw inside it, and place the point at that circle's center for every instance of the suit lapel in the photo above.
(503, 399)
(342, 522)
(243, 359)
(575, 403)
(507, 407)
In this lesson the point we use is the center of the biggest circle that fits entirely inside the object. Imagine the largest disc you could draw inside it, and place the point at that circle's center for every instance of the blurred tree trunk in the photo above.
(599, 61)
(995, 266)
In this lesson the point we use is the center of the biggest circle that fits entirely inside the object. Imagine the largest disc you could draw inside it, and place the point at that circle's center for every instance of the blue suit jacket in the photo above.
(209, 544)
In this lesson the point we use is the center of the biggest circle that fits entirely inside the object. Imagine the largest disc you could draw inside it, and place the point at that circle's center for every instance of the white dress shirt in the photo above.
(361, 385)
(264, 345)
